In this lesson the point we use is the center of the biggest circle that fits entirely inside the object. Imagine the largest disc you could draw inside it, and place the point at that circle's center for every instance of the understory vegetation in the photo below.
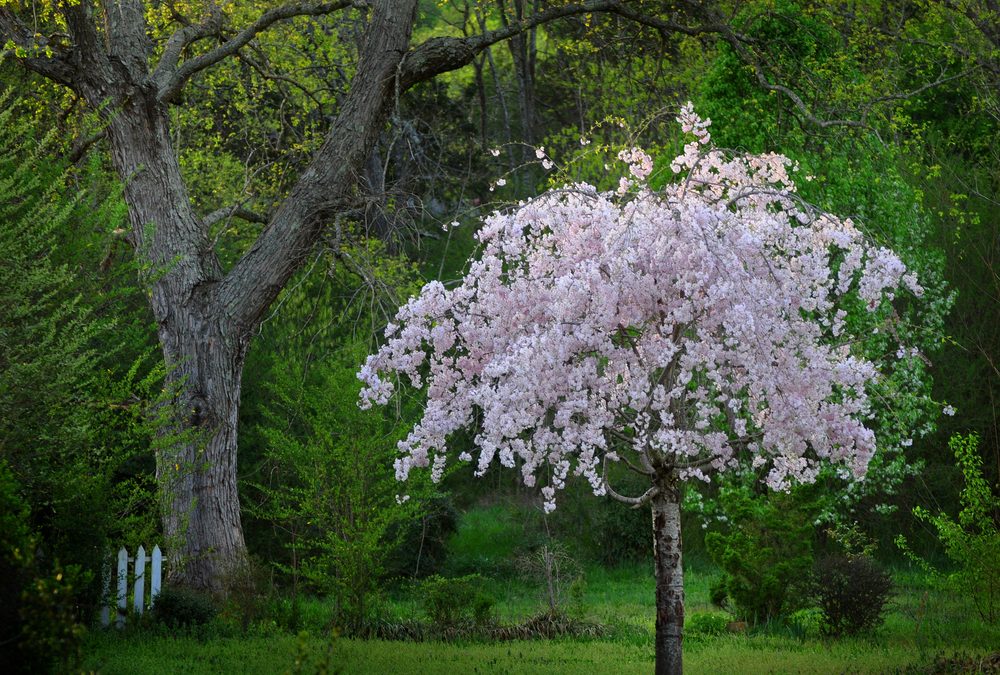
(504, 623)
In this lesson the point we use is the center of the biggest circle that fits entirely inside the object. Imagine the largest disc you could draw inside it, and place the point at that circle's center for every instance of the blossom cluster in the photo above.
(678, 329)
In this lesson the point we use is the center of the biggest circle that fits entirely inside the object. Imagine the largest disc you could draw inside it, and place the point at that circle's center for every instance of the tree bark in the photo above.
(669, 577)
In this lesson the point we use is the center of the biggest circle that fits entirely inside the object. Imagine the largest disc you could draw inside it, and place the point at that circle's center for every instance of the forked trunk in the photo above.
(203, 348)
(669, 579)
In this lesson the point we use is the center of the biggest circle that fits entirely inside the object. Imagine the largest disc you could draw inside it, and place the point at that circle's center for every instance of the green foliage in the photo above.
(73, 368)
(248, 593)
(765, 552)
(839, 67)
(972, 541)
(39, 622)
(706, 623)
(332, 487)
(621, 597)
(853, 593)
(450, 602)
(488, 541)
(604, 531)
(178, 607)
(423, 544)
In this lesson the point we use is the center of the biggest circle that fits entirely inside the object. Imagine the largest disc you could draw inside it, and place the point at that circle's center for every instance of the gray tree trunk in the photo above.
(203, 348)
(669, 578)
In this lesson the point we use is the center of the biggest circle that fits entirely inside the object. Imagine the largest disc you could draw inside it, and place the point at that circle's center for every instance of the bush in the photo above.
(765, 554)
(853, 594)
(331, 484)
(182, 607)
(248, 590)
(450, 602)
(706, 623)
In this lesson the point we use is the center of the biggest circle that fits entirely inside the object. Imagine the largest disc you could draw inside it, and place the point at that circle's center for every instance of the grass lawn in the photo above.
(922, 624)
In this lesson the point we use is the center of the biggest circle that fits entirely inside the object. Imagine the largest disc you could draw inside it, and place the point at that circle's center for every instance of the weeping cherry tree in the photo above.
(681, 332)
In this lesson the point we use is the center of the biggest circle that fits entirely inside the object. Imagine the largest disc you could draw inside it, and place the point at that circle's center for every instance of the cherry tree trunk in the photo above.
(669, 579)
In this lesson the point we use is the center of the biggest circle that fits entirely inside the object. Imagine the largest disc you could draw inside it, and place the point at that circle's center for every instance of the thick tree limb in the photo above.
(634, 502)
(56, 67)
(88, 53)
(327, 184)
(440, 55)
(237, 211)
(171, 78)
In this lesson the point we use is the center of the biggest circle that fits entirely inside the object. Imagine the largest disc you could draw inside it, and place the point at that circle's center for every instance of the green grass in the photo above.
(923, 623)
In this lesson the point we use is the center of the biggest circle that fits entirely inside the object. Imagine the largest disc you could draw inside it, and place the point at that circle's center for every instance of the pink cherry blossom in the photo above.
(677, 330)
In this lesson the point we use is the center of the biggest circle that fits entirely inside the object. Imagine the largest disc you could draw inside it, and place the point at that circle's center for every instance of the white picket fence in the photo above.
(120, 574)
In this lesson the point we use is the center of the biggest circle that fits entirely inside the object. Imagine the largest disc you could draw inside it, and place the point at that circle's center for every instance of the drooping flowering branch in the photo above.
(682, 327)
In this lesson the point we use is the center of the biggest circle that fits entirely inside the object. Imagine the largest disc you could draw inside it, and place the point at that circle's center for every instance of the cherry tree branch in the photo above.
(171, 77)
(646, 469)
(634, 502)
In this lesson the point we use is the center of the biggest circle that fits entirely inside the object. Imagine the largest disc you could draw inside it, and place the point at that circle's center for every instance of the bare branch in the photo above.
(439, 55)
(237, 211)
(171, 78)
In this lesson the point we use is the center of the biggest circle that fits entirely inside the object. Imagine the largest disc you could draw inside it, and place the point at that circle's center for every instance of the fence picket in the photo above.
(122, 585)
(154, 582)
(156, 561)
(139, 596)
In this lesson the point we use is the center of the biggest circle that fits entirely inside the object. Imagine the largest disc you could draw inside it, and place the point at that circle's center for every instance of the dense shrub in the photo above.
(706, 623)
(177, 607)
(423, 541)
(39, 626)
(74, 428)
(450, 602)
(248, 591)
(853, 594)
(765, 552)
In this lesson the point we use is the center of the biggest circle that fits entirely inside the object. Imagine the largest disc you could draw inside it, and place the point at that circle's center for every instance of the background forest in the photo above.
(892, 111)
